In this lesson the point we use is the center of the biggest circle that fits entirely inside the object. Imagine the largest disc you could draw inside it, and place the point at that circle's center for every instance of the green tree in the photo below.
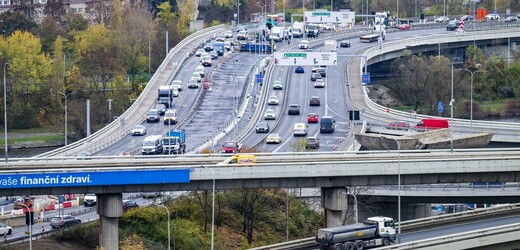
(48, 31)
(75, 23)
(27, 8)
(54, 9)
(11, 21)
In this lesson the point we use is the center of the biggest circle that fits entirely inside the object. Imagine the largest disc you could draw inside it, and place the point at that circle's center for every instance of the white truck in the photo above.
(277, 34)
(374, 232)
(298, 29)
(330, 45)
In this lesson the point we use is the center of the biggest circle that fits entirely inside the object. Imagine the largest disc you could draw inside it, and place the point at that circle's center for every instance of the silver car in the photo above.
(273, 100)
(139, 130)
(270, 115)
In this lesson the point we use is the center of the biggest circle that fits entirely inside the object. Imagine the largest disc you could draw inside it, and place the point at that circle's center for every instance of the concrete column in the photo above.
(334, 202)
(110, 208)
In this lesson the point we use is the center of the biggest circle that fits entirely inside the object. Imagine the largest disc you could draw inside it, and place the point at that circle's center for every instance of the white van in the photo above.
(152, 145)
(300, 129)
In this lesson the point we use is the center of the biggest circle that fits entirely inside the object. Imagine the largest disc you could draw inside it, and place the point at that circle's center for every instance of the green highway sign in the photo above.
(300, 55)
(296, 58)
(321, 13)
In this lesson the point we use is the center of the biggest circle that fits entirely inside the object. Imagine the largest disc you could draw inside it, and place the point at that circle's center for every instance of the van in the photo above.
(170, 117)
(431, 124)
(152, 145)
(327, 124)
(300, 129)
(239, 159)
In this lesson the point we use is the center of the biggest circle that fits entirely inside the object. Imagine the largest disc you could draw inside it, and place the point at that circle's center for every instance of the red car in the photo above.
(404, 26)
(313, 118)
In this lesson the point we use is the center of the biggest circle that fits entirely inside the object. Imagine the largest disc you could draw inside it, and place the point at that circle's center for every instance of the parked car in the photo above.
(319, 83)
(453, 25)
(273, 100)
(129, 204)
(299, 69)
(273, 138)
(312, 143)
(139, 130)
(64, 221)
(277, 85)
(294, 109)
(5, 229)
(314, 101)
(398, 125)
(344, 44)
(315, 76)
(442, 19)
(313, 118)
(153, 115)
(270, 115)
(262, 127)
(510, 19)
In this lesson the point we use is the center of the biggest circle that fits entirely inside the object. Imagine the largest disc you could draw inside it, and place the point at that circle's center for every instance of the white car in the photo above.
(270, 115)
(196, 76)
(273, 138)
(177, 84)
(139, 130)
(5, 229)
(206, 61)
(175, 92)
(273, 100)
(304, 44)
(200, 71)
(492, 16)
(204, 54)
(228, 34)
(319, 83)
(199, 52)
(442, 19)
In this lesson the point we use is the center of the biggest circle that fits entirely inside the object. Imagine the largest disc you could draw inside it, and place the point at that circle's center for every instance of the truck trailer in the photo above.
(165, 95)
(374, 232)
(431, 124)
(174, 142)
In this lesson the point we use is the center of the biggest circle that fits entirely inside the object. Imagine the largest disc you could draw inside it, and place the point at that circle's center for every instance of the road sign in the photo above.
(305, 58)
(329, 16)
(259, 78)
(440, 107)
(365, 78)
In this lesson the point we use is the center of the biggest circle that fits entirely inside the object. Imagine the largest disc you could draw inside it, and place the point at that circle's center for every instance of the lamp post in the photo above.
(452, 103)
(65, 96)
(398, 190)
(5, 110)
(212, 208)
(30, 224)
(471, 94)
(167, 211)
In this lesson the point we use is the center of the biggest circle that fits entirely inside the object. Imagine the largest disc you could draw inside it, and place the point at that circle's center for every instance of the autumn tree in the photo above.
(99, 11)
(54, 9)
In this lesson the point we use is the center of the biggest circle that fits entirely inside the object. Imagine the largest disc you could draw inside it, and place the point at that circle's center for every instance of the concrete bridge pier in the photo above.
(335, 205)
(109, 208)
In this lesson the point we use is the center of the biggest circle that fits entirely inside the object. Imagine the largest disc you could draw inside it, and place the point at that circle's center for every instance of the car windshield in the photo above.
(269, 111)
(229, 144)
(153, 112)
(170, 141)
(139, 127)
(149, 143)
(311, 139)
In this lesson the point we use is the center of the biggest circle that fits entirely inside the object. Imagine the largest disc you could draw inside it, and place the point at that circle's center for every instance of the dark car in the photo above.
(64, 221)
(262, 127)
(161, 107)
(153, 116)
(322, 71)
(312, 143)
(344, 44)
(453, 25)
(398, 125)
(294, 109)
(315, 76)
(299, 69)
(213, 54)
(128, 204)
(466, 18)
(314, 101)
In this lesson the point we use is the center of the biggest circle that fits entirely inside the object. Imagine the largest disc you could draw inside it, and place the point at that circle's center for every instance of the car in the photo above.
(196, 76)
(322, 71)
(315, 76)
(213, 54)
(314, 101)
(304, 44)
(153, 115)
(492, 17)
(83, 155)
(344, 44)
(466, 18)
(220, 38)
(139, 130)
(129, 204)
(199, 52)
(442, 19)
(209, 47)
(64, 221)
(314, 68)
(398, 125)
(161, 107)
(5, 229)
(294, 109)
(228, 34)
(193, 84)
(319, 83)
(299, 69)
(328, 26)
(312, 143)
(270, 115)
(273, 100)
(242, 35)
(201, 71)
(150, 195)
(227, 45)
(206, 60)
(313, 118)
(89, 200)
(277, 85)
(273, 138)
(453, 25)
(177, 84)
(404, 26)
(510, 19)
(262, 127)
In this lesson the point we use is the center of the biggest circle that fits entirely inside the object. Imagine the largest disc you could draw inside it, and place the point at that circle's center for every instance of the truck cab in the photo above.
(230, 147)
(239, 159)
(165, 95)
(174, 141)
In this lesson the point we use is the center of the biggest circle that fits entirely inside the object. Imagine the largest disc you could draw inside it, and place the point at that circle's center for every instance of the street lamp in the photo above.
(471, 94)
(65, 96)
(5, 110)
(167, 211)
(452, 103)
(398, 190)
(30, 224)
(212, 208)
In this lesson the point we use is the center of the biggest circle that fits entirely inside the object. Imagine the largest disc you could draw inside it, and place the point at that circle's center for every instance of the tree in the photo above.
(11, 21)
(54, 9)
(75, 23)
(48, 31)
(99, 11)
(27, 8)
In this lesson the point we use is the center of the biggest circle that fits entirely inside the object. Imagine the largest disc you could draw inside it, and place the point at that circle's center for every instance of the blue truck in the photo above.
(174, 142)
(257, 47)
(219, 48)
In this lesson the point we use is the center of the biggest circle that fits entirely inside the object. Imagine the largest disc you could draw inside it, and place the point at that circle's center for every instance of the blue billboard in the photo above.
(94, 178)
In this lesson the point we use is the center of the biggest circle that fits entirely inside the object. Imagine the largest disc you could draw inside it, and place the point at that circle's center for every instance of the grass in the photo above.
(34, 138)
(34, 130)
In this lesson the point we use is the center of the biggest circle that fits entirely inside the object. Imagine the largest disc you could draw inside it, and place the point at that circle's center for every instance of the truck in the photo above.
(374, 37)
(298, 29)
(219, 48)
(257, 47)
(239, 159)
(277, 34)
(231, 147)
(330, 45)
(165, 95)
(312, 30)
(431, 124)
(373, 232)
(174, 141)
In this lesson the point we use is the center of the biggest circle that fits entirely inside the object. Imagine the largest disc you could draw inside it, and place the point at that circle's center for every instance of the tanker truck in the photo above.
(373, 232)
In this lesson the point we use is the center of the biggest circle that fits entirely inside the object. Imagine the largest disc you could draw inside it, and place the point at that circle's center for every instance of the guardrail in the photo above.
(414, 225)
(135, 114)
